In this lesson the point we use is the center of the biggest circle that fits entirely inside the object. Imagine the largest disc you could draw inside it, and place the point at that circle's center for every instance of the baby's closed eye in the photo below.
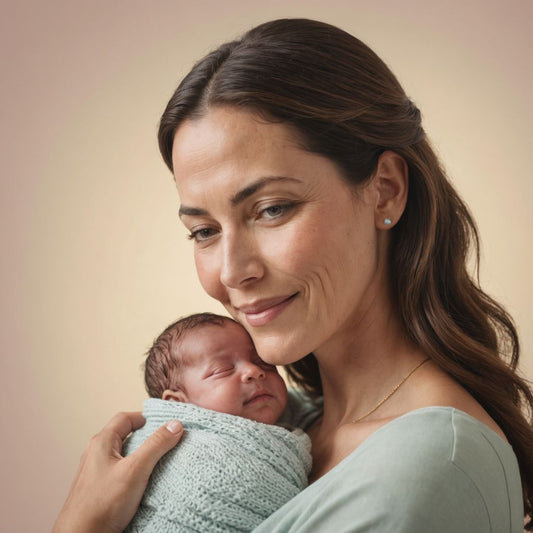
(221, 372)
(264, 365)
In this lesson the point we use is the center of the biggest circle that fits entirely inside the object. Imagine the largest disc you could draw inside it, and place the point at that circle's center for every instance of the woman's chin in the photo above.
(278, 352)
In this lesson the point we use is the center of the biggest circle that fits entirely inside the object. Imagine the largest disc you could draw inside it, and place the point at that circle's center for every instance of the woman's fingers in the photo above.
(107, 444)
(108, 487)
(155, 446)
(119, 427)
(125, 423)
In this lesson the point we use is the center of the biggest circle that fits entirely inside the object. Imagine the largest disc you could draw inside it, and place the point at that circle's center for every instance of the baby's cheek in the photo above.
(280, 389)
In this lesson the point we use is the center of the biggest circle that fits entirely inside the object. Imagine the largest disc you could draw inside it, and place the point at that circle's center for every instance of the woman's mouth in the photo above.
(262, 312)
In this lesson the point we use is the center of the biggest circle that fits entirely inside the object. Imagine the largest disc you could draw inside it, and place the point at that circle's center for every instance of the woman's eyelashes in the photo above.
(201, 234)
(275, 211)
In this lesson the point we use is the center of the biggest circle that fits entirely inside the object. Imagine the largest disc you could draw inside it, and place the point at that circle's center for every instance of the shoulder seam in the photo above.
(465, 474)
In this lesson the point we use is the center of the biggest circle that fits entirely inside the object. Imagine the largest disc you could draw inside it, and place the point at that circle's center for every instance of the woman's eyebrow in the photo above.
(238, 197)
(191, 211)
(257, 185)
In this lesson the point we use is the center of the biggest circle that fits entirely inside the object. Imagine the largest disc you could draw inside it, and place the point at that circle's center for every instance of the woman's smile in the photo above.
(261, 312)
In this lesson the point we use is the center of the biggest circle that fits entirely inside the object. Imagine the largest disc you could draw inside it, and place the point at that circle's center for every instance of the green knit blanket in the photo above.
(227, 473)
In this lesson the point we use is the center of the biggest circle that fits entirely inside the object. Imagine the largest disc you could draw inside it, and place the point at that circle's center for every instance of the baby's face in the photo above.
(222, 371)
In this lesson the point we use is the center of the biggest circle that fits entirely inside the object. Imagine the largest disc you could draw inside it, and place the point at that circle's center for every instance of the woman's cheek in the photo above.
(209, 276)
(295, 248)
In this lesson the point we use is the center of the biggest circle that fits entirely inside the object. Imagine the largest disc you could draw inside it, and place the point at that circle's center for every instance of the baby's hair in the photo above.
(162, 363)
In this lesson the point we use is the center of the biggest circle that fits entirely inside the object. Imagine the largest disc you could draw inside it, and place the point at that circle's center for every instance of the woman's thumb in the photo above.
(157, 444)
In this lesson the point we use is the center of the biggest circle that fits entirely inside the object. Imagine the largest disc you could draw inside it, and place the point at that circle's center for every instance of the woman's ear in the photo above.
(175, 396)
(392, 185)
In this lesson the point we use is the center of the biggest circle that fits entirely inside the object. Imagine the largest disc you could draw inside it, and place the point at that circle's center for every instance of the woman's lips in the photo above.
(264, 311)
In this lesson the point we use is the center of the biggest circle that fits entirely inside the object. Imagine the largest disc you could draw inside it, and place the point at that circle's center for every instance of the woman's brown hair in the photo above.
(347, 105)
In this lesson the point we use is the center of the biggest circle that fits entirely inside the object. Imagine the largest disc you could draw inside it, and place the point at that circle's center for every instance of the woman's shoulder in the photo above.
(440, 439)
(433, 469)
(444, 441)
(450, 462)
(448, 429)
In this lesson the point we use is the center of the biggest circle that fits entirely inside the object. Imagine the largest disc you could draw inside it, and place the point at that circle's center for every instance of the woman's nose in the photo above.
(240, 261)
(251, 372)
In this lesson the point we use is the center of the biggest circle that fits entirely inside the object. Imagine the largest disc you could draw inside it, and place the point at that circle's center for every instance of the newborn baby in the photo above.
(233, 467)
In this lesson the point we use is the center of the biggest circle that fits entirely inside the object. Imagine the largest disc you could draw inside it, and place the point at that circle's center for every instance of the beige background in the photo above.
(94, 261)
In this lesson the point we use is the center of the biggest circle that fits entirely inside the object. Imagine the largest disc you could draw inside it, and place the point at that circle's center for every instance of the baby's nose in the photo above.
(253, 371)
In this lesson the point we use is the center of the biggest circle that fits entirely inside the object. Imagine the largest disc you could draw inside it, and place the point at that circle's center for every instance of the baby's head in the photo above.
(210, 361)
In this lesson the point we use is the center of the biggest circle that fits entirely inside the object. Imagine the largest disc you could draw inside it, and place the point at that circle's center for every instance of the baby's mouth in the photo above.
(258, 396)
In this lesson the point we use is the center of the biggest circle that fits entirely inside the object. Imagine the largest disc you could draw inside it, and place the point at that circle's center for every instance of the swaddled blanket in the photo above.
(227, 473)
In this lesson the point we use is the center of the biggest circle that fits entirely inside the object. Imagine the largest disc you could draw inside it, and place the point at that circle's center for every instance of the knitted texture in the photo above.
(227, 474)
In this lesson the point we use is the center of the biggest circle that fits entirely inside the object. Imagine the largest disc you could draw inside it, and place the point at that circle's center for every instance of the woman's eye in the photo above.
(275, 211)
(202, 234)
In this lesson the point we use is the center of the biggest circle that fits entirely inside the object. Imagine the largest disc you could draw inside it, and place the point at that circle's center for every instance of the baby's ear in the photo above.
(175, 396)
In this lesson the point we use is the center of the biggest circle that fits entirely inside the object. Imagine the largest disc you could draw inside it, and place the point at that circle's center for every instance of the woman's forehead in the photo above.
(229, 154)
(231, 136)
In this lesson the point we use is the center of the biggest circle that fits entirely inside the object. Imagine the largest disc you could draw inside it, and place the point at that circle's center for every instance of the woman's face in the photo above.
(280, 239)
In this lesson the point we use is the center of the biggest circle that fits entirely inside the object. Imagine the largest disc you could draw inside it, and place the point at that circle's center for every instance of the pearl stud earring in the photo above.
(387, 222)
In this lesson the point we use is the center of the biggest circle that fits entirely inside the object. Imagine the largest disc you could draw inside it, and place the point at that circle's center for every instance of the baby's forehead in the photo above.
(213, 331)
(208, 341)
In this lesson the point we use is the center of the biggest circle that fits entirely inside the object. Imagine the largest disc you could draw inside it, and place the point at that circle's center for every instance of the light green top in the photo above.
(434, 470)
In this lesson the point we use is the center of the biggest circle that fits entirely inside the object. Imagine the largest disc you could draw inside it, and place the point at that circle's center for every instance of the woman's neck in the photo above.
(361, 365)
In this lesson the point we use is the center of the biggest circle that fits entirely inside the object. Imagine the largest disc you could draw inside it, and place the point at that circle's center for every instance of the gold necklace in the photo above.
(381, 402)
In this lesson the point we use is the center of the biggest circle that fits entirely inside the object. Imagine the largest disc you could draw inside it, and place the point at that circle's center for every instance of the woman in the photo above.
(323, 222)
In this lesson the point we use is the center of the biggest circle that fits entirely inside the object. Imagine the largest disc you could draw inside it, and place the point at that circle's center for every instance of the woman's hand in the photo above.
(108, 488)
